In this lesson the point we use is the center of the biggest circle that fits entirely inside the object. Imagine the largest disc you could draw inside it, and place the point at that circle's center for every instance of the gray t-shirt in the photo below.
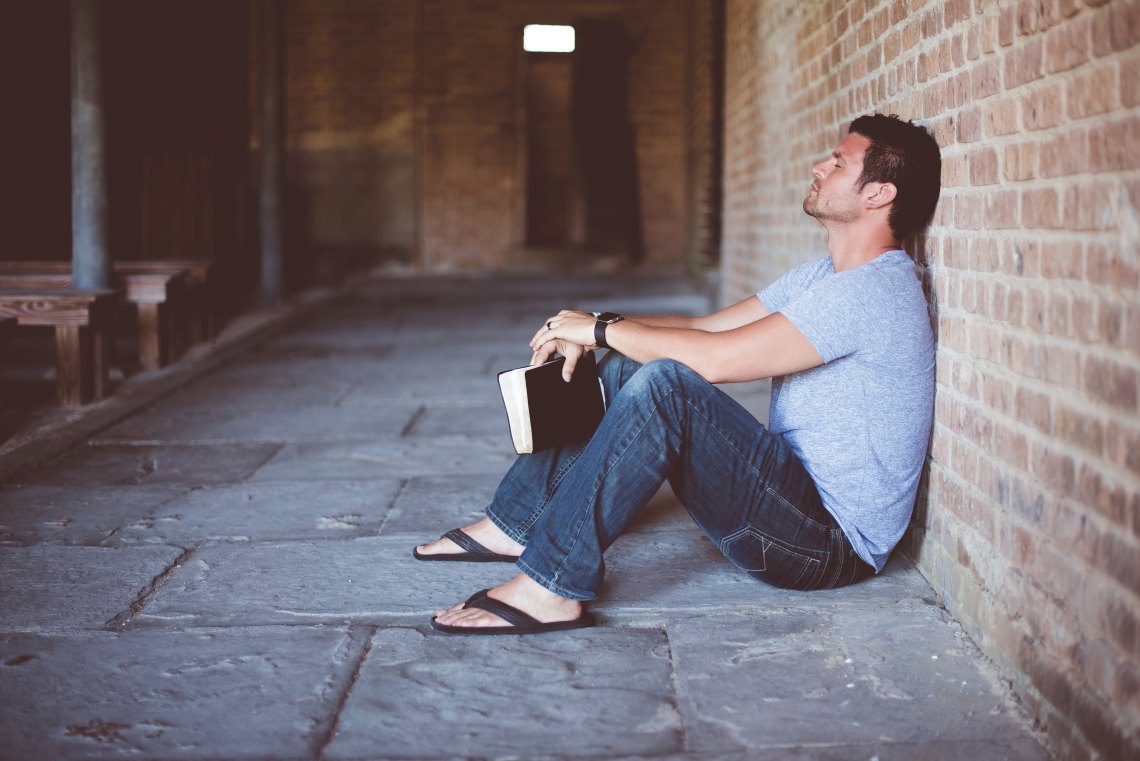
(860, 422)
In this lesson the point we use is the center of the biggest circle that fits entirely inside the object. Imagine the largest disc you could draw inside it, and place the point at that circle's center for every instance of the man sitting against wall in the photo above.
(816, 500)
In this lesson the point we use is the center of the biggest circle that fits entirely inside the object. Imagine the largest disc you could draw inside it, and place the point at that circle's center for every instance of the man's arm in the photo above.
(763, 348)
(740, 313)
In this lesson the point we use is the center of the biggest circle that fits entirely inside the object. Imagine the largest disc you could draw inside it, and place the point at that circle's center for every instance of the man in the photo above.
(817, 500)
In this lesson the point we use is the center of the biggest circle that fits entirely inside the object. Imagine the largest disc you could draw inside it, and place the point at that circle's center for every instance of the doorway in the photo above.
(580, 189)
(552, 201)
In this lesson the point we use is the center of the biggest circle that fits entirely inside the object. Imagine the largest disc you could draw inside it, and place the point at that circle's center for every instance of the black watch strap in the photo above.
(600, 334)
(605, 319)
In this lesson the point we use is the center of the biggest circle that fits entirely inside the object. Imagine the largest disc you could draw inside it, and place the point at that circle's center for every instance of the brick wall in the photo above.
(1028, 522)
(397, 101)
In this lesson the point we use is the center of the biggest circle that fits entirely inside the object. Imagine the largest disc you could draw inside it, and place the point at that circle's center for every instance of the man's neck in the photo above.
(849, 249)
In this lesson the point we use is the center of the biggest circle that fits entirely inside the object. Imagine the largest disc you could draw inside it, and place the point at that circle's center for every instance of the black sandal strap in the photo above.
(467, 543)
(509, 613)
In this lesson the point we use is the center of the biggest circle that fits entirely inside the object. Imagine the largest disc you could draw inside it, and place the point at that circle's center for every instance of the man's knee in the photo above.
(615, 369)
(664, 374)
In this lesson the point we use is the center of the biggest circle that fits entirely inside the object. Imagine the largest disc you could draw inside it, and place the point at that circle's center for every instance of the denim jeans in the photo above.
(741, 483)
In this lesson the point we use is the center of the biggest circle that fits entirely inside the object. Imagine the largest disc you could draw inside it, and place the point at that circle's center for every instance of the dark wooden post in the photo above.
(271, 25)
(91, 267)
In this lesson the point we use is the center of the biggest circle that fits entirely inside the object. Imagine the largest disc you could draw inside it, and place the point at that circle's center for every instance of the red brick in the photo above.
(1065, 154)
(1110, 382)
(983, 167)
(1019, 161)
(1067, 46)
(1006, 24)
(1060, 365)
(1027, 16)
(1105, 266)
(1040, 209)
(1062, 260)
(1000, 117)
(1079, 428)
(1011, 446)
(1001, 209)
(1035, 409)
(1129, 80)
(1090, 206)
(1093, 92)
(985, 78)
(1109, 499)
(1124, 25)
(968, 211)
(1115, 146)
(1024, 64)
(1043, 108)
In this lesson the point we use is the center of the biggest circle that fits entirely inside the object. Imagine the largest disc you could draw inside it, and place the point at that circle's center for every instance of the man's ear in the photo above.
(882, 194)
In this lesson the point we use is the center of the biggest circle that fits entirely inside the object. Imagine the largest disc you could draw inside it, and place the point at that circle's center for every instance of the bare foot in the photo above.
(484, 532)
(521, 592)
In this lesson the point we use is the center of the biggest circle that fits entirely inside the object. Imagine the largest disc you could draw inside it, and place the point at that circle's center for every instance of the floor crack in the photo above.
(334, 722)
(123, 619)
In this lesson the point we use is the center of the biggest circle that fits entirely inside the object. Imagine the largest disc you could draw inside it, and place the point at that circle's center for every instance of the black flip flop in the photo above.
(475, 552)
(521, 623)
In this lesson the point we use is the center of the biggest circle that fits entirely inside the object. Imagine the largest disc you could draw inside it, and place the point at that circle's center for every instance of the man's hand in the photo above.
(574, 327)
(568, 333)
(571, 351)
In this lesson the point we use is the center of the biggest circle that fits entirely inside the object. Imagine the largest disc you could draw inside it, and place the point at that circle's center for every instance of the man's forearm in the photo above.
(665, 320)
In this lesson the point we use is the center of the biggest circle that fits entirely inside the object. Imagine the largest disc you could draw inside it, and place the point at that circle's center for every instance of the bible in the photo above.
(544, 411)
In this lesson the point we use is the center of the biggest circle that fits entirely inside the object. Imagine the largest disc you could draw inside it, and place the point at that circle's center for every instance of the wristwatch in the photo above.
(604, 319)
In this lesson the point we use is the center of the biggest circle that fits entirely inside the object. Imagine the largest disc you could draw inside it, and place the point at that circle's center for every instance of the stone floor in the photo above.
(224, 571)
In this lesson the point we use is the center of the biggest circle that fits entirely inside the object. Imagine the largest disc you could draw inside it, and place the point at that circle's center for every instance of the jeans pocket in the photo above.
(771, 560)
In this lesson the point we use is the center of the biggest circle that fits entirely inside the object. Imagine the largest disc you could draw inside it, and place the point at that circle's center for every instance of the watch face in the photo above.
(610, 317)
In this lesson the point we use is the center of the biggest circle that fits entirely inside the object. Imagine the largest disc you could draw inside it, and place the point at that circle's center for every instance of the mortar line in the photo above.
(334, 721)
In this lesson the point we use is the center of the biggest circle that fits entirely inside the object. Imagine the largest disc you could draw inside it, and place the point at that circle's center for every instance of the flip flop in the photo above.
(521, 623)
(475, 552)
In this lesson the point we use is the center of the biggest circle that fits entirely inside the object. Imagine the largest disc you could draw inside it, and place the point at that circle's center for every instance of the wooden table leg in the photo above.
(150, 337)
(74, 365)
(103, 344)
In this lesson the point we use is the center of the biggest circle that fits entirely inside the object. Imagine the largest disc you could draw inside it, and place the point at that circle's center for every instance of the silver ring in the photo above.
(548, 325)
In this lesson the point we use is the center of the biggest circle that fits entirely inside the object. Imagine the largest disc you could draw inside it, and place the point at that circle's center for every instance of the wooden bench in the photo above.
(156, 294)
(196, 322)
(83, 321)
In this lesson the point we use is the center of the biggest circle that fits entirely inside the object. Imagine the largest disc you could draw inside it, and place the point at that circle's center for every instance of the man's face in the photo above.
(833, 195)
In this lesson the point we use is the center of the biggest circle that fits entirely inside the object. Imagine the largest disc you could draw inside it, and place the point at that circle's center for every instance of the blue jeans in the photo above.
(740, 482)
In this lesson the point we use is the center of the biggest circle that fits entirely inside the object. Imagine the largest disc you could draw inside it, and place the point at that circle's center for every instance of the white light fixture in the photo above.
(546, 38)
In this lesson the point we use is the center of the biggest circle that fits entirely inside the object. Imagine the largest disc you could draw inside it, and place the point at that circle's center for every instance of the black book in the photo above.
(544, 411)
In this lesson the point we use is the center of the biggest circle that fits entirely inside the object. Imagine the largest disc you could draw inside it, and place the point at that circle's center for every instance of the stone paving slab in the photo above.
(430, 505)
(257, 693)
(241, 424)
(268, 511)
(653, 578)
(997, 749)
(216, 391)
(834, 675)
(662, 576)
(431, 696)
(475, 419)
(369, 580)
(106, 465)
(407, 456)
(54, 587)
(76, 514)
